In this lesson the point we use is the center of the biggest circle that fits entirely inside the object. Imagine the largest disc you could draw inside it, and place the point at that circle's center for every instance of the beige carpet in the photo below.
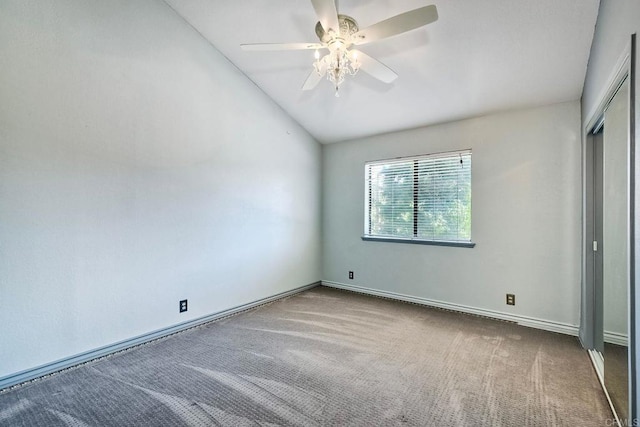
(328, 357)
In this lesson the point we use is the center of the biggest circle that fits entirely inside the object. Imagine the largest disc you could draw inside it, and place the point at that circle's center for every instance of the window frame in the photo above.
(414, 239)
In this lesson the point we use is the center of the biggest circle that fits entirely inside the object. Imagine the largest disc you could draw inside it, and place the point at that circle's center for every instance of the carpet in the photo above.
(327, 357)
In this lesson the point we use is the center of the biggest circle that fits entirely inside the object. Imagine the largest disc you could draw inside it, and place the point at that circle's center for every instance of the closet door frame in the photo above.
(625, 69)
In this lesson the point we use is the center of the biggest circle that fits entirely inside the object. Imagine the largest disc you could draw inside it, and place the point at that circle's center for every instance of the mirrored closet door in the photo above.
(611, 187)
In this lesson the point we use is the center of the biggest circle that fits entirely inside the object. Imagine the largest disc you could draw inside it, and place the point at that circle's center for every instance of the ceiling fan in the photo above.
(338, 33)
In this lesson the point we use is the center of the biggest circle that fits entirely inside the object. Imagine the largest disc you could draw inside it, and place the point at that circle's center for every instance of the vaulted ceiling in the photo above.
(479, 57)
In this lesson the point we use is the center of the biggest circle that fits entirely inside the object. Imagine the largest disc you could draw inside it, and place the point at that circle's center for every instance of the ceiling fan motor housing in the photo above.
(348, 27)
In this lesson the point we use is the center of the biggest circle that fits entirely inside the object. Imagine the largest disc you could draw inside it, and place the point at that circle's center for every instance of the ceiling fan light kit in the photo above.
(338, 63)
(338, 33)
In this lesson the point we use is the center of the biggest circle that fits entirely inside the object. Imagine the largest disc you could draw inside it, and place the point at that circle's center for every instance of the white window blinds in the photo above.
(424, 197)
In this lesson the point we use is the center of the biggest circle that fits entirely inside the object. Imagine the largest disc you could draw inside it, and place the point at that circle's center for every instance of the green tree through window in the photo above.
(423, 198)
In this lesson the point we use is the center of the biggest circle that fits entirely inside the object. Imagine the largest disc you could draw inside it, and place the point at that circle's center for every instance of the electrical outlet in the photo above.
(351, 275)
(511, 299)
(183, 306)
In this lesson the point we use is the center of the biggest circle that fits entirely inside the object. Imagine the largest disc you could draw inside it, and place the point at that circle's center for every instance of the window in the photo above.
(422, 199)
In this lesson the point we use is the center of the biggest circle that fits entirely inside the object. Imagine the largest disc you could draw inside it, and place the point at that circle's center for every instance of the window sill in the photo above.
(419, 241)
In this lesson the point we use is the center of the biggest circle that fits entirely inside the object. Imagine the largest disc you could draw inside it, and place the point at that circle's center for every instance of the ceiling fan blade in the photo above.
(327, 14)
(373, 67)
(280, 46)
(397, 25)
(315, 77)
(312, 81)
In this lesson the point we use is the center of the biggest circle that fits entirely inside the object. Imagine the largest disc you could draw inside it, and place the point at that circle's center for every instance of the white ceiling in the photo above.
(479, 57)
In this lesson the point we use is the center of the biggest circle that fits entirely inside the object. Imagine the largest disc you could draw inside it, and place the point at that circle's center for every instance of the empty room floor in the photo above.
(328, 357)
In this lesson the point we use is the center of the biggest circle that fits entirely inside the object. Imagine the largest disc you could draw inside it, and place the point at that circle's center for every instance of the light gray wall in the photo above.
(526, 195)
(138, 167)
(617, 20)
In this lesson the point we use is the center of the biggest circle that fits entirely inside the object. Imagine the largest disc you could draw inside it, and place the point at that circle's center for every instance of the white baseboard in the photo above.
(616, 338)
(13, 380)
(47, 369)
(532, 322)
